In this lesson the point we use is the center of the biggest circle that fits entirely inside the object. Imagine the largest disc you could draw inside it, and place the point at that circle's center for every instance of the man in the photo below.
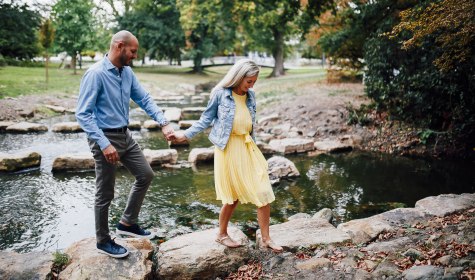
(103, 113)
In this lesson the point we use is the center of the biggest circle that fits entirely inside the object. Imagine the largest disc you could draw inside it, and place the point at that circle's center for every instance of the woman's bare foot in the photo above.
(227, 241)
(271, 245)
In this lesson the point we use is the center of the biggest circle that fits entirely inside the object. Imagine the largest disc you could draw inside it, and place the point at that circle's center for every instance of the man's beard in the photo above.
(123, 59)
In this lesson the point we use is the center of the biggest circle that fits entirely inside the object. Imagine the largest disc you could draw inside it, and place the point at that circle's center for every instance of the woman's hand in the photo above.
(179, 137)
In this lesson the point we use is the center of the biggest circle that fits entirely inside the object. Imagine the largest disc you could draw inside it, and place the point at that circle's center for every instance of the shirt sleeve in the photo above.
(88, 92)
(146, 102)
(206, 118)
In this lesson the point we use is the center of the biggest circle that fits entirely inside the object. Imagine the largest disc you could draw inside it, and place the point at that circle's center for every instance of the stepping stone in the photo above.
(26, 127)
(199, 155)
(67, 127)
(193, 110)
(292, 145)
(158, 157)
(74, 162)
(19, 161)
(173, 114)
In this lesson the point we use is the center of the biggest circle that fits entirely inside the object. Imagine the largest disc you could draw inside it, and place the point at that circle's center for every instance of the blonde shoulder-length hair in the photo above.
(241, 69)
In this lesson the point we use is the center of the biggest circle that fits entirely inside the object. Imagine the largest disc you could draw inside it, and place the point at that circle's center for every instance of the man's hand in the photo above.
(168, 131)
(111, 154)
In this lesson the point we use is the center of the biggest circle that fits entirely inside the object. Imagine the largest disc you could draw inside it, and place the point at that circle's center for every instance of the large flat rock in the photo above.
(292, 145)
(158, 157)
(19, 161)
(34, 265)
(304, 232)
(26, 127)
(67, 127)
(365, 230)
(446, 204)
(73, 162)
(198, 155)
(198, 256)
(88, 263)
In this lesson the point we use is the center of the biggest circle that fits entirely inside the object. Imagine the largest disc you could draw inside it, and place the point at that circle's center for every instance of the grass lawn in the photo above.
(16, 81)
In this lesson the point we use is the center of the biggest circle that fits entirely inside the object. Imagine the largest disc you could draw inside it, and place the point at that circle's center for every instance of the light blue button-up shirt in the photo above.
(104, 97)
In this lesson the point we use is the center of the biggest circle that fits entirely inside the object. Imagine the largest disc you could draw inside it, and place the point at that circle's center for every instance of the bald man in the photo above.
(103, 113)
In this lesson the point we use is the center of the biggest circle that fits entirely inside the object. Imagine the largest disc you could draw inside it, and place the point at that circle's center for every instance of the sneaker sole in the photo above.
(112, 255)
(121, 232)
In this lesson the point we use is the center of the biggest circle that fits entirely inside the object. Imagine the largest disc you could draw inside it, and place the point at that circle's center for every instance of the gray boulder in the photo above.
(446, 204)
(423, 272)
(28, 266)
(158, 157)
(88, 263)
(292, 145)
(304, 233)
(198, 155)
(280, 167)
(67, 127)
(25, 127)
(332, 146)
(198, 256)
(19, 161)
(73, 162)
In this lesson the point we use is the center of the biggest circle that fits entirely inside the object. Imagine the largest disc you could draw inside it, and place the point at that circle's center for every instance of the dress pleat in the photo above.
(241, 169)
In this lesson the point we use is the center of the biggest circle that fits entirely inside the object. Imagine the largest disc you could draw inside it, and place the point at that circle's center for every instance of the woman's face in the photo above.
(246, 84)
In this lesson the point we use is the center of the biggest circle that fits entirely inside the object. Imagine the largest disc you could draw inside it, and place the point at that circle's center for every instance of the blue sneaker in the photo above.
(112, 249)
(133, 231)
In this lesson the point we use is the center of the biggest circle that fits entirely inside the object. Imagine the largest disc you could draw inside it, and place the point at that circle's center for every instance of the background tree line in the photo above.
(416, 56)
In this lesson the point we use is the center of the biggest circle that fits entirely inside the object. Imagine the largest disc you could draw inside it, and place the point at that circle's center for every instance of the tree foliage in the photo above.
(452, 25)
(74, 24)
(418, 59)
(271, 23)
(18, 27)
(209, 26)
(156, 23)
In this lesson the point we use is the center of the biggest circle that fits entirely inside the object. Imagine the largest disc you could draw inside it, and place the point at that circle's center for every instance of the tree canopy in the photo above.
(74, 24)
(269, 24)
(18, 29)
(156, 23)
(209, 26)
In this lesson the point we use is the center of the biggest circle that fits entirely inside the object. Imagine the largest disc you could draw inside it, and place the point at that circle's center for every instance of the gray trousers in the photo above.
(132, 157)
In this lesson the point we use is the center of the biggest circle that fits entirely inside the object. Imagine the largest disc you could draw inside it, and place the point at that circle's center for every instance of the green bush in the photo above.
(3, 62)
(408, 85)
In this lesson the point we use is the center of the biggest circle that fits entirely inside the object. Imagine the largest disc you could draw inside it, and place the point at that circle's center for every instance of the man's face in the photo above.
(128, 51)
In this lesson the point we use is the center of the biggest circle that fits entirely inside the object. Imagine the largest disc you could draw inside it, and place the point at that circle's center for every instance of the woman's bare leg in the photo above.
(263, 217)
(224, 218)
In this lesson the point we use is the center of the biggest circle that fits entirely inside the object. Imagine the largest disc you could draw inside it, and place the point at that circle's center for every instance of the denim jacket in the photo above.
(220, 113)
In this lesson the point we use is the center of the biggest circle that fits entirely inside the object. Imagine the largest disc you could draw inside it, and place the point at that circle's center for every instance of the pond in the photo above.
(40, 210)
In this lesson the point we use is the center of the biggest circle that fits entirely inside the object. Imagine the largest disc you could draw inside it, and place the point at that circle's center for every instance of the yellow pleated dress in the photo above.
(240, 170)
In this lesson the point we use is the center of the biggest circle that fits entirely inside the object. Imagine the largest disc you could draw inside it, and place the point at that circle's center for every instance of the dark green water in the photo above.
(40, 210)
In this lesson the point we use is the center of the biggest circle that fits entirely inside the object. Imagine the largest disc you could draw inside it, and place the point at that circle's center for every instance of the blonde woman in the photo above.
(240, 169)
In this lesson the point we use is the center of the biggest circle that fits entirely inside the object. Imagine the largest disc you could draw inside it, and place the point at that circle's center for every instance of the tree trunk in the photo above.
(278, 53)
(46, 67)
(197, 63)
(73, 64)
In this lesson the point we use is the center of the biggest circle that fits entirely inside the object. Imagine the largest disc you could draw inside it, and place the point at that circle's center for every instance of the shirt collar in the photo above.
(109, 64)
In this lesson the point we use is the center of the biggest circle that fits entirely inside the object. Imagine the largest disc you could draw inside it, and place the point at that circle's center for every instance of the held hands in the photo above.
(179, 137)
(168, 131)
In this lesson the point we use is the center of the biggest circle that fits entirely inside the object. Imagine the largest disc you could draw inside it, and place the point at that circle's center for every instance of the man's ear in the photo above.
(120, 45)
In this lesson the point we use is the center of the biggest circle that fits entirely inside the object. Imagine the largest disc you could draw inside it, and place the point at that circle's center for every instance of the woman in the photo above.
(240, 169)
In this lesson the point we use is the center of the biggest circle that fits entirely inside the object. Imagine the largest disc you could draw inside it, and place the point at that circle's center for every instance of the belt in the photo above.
(247, 137)
(116, 130)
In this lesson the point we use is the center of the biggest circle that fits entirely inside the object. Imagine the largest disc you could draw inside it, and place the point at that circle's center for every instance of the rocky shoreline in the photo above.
(433, 240)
